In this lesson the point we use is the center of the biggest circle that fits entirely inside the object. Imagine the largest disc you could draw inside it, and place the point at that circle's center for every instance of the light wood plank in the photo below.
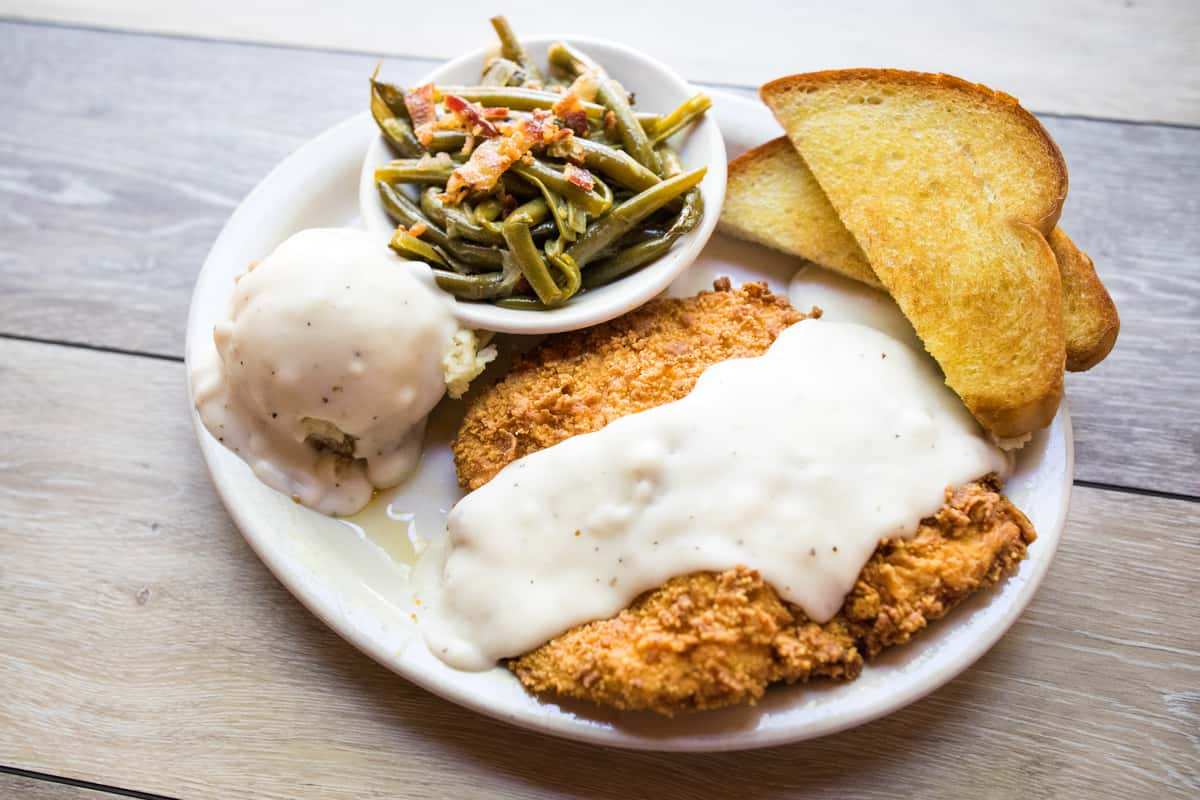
(1113, 59)
(146, 647)
(1137, 422)
(18, 787)
(114, 184)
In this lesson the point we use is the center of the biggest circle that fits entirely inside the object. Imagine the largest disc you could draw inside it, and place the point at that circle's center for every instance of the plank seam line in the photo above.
(34, 22)
(99, 348)
(1161, 495)
(80, 784)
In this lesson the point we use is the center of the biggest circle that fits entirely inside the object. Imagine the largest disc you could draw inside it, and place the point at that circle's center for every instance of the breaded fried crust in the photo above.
(578, 382)
(708, 640)
(715, 639)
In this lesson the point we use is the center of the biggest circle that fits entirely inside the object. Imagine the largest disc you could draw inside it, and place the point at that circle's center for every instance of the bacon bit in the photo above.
(420, 105)
(570, 110)
(577, 122)
(496, 112)
(472, 114)
(610, 121)
(580, 177)
(492, 158)
(418, 229)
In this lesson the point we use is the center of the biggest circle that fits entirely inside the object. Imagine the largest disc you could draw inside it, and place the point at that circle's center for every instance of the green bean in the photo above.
(692, 109)
(486, 214)
(616, 165)
(526, 254)
(543, 229)
(613, 97)
(641, 233)
(560, 210)
(576, 221)
(416, 170)
(672, 163)
(408, 246)
(647, 120)
(530, 213)
(644, 233)
(462, 225)
(502, 72)
(512, 49)
(518, 187)
(592, 202)
(488, 210)
(484, 286)
(400, 208)
(432, 207)
(457, 223)
(644, 252)
(621, 219)
(389, 93)
(566, 267)
(406, 213)
(626, 261)
(633, 136)
(514, 98)
(446, 142)
(394, 125)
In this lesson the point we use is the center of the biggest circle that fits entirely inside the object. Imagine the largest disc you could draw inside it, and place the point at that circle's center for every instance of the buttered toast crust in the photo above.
(774, 200)
(1090, 321)
(950, 189)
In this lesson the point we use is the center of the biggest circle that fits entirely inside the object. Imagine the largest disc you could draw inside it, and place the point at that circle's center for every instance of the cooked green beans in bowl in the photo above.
(539, 184)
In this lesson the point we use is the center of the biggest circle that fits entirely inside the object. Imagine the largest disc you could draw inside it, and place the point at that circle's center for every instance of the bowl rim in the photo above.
(623, 295)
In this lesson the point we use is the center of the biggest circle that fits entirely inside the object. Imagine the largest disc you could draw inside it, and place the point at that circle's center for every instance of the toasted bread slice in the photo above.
(1090, 320)
(773, 199)
(950, 189)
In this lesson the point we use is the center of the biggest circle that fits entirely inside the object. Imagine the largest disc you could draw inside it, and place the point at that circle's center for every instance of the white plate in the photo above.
(358, 584)
(659, 89)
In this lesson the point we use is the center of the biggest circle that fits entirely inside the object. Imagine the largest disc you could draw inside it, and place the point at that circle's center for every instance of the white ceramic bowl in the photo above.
(658, 89)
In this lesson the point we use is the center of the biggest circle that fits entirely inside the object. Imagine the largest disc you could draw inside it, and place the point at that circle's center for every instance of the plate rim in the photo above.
(563, 724)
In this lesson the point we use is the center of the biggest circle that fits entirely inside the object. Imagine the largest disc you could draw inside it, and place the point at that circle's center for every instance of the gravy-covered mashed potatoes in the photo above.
(332, 354)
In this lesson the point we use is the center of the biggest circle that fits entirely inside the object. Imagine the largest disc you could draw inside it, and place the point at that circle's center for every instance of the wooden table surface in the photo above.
(146, 652)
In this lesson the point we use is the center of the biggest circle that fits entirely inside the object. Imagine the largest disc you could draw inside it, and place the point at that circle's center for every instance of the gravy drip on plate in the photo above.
(795, 463)
(325, 368)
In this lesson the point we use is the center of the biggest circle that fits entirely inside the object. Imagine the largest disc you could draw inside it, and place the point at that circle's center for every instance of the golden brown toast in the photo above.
(1090, 320)
(773, 199)
(950, 189)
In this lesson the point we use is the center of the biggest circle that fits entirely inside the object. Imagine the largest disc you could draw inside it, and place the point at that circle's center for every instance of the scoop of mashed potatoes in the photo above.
(332, 354)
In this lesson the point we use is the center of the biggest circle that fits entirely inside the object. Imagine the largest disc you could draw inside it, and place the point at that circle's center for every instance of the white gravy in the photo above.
(331, 336)
(795, 463)
(842, 299)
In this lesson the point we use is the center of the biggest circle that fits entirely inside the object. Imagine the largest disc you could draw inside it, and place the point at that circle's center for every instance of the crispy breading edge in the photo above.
(738, 635)
(710, 640)
(577, 382)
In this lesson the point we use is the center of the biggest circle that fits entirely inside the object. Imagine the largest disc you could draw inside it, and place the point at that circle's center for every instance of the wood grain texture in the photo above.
(1130, 207)
(1133, 60)
(18, 787)
(146, 647)
(114, 185)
